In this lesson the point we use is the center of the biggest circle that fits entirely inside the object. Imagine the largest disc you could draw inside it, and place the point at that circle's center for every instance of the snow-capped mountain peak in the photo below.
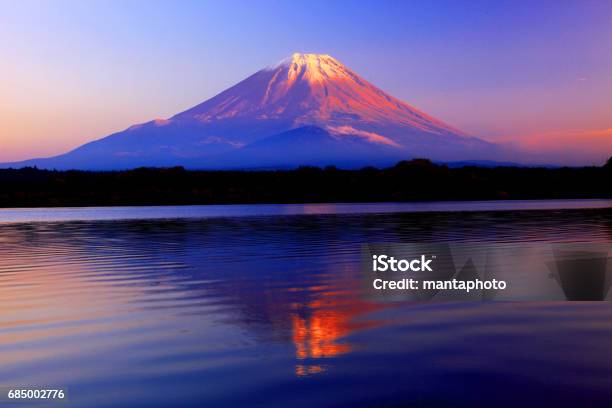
(313, 89)
(307, 109)
(311, 67)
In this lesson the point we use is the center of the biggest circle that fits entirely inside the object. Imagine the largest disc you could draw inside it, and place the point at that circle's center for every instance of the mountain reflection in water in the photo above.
(258, 310)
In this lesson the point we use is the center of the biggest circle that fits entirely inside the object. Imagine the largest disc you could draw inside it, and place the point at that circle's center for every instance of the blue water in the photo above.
(216, 306)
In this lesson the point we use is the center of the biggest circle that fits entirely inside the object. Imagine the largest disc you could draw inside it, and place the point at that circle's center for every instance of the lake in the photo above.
(261, 305)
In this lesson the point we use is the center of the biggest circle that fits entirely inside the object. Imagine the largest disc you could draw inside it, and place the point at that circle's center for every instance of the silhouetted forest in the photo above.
(415, 180)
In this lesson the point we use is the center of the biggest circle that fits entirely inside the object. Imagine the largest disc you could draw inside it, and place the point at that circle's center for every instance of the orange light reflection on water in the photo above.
(317, 334)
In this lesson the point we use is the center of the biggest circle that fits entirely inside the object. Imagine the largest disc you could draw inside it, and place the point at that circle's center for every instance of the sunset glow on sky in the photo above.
(534, 73)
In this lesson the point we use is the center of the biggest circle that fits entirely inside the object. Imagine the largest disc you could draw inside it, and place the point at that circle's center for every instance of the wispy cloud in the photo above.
(575, 147)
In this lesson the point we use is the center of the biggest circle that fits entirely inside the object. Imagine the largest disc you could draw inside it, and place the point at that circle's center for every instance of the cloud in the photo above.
(573, 147)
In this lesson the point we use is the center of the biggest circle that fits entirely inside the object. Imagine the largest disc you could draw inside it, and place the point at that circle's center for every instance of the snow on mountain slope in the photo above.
(312, 89)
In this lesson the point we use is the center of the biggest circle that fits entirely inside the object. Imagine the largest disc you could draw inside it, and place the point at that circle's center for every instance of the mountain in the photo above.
(309, 145)
(307, 109)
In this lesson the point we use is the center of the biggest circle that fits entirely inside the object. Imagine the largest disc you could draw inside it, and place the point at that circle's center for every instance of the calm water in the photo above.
(250, 309)
(213, 211)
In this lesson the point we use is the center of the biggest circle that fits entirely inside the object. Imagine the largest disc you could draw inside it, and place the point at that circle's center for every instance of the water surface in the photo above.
(266, 310)
(252, 210)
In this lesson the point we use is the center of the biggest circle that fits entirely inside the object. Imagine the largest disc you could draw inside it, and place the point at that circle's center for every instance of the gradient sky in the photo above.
(74, 71)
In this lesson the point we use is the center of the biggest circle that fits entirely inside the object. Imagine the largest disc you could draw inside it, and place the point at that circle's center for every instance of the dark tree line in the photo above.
(414, 180)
